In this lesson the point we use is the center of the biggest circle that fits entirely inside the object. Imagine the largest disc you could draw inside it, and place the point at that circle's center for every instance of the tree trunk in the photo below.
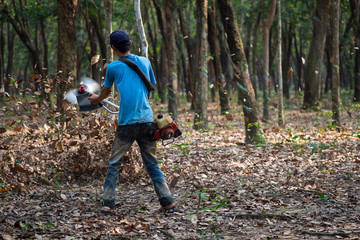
(287, 40)
(45, 47)
(170, 49)
(201, 81)
(335, 90)
(355, 12)
(315, 57)
(214, 50)
(190, 89)
(164, 74)
(154, 58)
(253, 135)
(66, 11)
(2, 63)
(254, 75)
(329, 66)
(279, 70)
(299, 65)
(140, 26)
(95, 73)
(10, 59)
(267, 22)
(108, 4)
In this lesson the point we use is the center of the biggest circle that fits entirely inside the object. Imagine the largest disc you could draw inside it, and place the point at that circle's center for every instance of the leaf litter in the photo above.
(304, 183)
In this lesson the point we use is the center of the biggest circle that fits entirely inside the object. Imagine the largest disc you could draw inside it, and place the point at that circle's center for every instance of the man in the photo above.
(135, 120)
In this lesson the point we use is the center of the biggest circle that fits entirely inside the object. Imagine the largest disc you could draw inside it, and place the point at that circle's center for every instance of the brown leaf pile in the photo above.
(304, 183)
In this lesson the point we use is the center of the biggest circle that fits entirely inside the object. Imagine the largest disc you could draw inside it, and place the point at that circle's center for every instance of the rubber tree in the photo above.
(170, 50)
(268, 18)
(140, 26)
(279, 70)
(66, 69)
(214, 50)
(315, 57)
(335, 90)
(108, 4)
(355, 12)
(201, 80)
(242, 76)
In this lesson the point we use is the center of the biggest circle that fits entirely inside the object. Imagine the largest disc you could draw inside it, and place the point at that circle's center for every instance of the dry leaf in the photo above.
(95, 59)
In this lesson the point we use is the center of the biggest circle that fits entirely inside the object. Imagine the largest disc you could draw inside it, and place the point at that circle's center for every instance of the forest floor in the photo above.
(304, 183)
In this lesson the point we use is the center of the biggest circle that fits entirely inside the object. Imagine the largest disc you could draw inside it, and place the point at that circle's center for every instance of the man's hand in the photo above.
(94, 99)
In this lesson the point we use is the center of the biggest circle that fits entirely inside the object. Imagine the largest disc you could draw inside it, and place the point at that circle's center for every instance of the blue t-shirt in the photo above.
(133, 94)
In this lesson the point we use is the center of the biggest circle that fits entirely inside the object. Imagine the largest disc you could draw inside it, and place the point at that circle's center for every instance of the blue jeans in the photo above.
(142, 133)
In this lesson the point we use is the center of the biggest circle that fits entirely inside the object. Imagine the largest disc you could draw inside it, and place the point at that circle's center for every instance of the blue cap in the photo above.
(119, 39)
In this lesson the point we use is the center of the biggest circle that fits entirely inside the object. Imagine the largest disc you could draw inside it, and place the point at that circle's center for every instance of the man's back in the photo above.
(133, 94)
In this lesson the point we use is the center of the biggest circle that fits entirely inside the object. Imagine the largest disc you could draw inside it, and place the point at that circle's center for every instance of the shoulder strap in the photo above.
(141, 74)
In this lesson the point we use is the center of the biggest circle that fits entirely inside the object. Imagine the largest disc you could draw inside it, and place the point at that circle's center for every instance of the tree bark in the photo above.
(140, 26)
(66, 11)
(190, 89)
(335, 90)
(315, 57)
(279, 70)
(2, 64)
(161, 81)
(10, 59)
(267, 22)
(254, 75)
(355, 12)
(299, 65)
(108, 4)
(170, 49)
(287, 40)
(201, 81)
(253, 134)
(214, 50)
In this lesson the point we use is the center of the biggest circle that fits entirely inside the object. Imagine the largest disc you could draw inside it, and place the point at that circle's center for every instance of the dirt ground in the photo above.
(304, 183)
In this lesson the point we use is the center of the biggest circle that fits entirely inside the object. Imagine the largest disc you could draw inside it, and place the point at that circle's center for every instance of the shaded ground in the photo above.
(303, 184)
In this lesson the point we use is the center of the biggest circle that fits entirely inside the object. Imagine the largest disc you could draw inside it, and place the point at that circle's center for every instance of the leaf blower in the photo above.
(80, 96)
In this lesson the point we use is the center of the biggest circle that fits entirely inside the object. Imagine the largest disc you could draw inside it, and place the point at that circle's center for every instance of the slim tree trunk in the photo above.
(170, 49)
(162, 79)
(140, 26)
(2, 64)
(355, 12)
(315, 57)
(10, 59)
(163, 74)
(254, 75)
(66, 10)
(286, 69)
(299, 65)
(201, 86)
(108, 4)
(190, 90)
(253, 135)
(267, 22)
(279, 70)
(335, 10)
(214, 50)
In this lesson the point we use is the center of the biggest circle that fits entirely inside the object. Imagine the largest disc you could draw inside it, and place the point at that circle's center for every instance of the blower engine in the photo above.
(167, 128)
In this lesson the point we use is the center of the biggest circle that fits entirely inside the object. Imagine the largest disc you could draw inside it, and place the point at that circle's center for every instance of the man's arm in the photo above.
(96, 99)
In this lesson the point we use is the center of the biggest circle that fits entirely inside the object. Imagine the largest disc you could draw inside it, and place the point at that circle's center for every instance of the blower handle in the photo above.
(110, 103)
